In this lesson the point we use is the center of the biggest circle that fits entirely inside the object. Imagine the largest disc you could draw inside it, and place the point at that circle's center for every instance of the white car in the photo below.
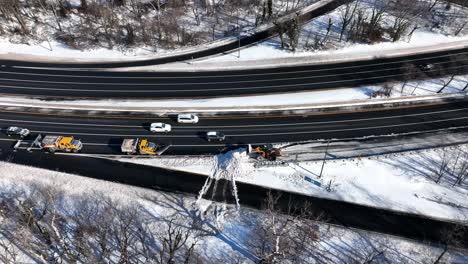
(187, 118)
(160, 127)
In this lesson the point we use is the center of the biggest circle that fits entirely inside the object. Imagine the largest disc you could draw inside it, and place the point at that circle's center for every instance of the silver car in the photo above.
(187, 118)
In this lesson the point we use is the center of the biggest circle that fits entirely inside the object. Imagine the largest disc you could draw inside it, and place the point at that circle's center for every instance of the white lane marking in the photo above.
(207, 83)
(70, 124)
(8, 139)
(302, 142)
(202, 90)
(252, 135)
(399, 60)
(351, 129)
(240, 126)
(172, 145)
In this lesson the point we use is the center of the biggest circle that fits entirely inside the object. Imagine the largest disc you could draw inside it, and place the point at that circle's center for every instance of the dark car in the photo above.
(425, 67)
(17, 131)
(213, 135)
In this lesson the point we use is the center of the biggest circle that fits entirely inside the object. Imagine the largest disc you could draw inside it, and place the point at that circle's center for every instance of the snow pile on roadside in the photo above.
(228, 166)
(232, 165)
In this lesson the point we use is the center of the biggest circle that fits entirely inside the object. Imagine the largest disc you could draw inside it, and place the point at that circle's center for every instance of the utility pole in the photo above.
(324, 157)
(238, 35)
(238, 49)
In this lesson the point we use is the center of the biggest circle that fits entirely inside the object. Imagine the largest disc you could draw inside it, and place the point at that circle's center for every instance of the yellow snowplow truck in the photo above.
(141, 146)
(61, 143)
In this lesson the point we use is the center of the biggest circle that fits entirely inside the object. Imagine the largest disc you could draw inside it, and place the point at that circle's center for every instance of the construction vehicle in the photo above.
(61, 143)
(141, 146)
(266, 152)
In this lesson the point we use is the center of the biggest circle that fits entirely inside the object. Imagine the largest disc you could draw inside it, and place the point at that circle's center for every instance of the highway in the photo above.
(59, 83)
(103, 132)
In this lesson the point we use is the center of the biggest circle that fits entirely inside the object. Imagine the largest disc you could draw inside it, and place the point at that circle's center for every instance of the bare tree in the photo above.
(347, 16)
(282, 238)
(385, 91)
(442, 164)
(461, 167)
(83, 6)
(433, 3)
(174, 241)
(405, 13)
(13, 7)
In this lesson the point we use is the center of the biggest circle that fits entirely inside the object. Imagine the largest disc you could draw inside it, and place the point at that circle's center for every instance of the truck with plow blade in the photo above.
(141, 146)
(61, 143)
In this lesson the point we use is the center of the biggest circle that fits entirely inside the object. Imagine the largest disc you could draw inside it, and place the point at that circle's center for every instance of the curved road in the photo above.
(57, 83)
(103, 132)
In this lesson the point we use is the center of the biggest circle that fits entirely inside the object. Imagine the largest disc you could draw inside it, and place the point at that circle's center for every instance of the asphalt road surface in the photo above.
(56, 83)
(104, 132)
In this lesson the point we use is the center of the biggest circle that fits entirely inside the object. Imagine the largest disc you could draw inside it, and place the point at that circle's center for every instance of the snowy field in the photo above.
(232, 234)
(429, 182)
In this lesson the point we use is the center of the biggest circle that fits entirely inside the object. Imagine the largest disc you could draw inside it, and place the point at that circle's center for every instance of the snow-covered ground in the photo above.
(54, 48)
(404, 181)
(271, 49)
(236, 233)
(190, 26)
(433, 28)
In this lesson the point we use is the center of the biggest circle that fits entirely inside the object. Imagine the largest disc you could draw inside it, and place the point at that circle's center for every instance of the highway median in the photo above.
(110, 107)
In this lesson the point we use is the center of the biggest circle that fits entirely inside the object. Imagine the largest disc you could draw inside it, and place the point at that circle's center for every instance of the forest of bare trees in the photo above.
(163, 25)
(157, 24)
(387, 20)
(44, 225)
